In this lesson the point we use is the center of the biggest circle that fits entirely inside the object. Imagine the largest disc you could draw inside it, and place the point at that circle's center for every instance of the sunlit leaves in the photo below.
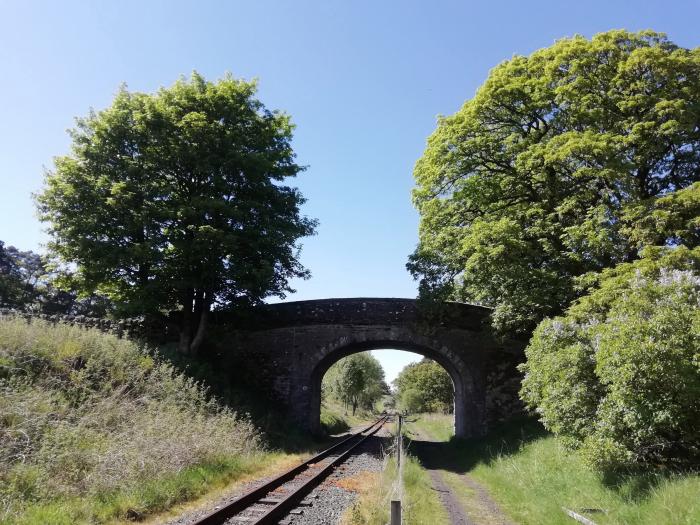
(619, 374)
(561, 164)
(177, 195)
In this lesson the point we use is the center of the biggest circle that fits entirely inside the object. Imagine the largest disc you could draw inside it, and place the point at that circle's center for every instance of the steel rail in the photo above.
(248, 499)
(283, 507)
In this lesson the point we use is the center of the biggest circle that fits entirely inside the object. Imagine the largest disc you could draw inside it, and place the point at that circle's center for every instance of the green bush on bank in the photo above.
(619, 374)
(93, 428)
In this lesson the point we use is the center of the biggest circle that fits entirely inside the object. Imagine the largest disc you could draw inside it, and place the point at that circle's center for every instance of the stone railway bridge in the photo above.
(294, 344)
(288, 347)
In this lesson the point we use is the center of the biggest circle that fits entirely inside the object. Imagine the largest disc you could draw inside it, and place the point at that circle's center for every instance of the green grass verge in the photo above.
(332, 422)
(420, 503)
(532, 476)
(144, 499)
(470, 500)
(335, 419)
(433, 427)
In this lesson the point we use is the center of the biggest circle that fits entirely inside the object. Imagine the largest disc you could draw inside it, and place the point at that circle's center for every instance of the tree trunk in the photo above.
(197, 309)
(202, 324)
(186, 326)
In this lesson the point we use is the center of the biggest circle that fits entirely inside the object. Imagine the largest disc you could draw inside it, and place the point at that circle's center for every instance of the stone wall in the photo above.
(368, 311)
(292, 345)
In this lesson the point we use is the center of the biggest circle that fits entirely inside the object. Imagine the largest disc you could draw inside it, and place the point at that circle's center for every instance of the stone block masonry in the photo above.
(294, 344)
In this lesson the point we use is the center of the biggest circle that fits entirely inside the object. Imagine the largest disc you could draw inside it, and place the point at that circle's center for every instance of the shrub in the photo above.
(85, 414)
(425, 387)
(619, 374)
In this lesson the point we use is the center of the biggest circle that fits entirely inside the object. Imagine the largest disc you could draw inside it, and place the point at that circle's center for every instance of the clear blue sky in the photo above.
(363, 81)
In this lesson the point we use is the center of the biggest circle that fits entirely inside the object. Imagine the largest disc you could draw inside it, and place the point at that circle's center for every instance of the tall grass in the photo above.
(93, 428)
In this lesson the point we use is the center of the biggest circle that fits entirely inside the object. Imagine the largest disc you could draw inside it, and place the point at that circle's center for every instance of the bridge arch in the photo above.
(465, 410)
(293, 344)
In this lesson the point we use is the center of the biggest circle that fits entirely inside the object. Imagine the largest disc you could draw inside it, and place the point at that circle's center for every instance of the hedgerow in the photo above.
(619, 375)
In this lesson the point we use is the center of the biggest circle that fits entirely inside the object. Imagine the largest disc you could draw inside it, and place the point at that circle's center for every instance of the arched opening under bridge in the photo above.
(361, 386)
(413, 354)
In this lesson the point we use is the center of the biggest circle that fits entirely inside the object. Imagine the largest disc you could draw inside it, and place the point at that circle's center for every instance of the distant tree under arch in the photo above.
(356, 381)
(425, 387)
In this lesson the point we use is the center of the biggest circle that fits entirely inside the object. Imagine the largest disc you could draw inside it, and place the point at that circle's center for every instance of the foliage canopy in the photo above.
(177, 200)
(565, 162)
(19, 274)
(28, 283)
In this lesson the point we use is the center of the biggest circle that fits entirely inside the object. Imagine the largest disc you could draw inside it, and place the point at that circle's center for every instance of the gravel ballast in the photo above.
(332, 500)
(326, 503)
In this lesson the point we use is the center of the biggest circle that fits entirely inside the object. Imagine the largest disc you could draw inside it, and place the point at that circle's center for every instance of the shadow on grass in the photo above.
(634, 485)
(461, 455)
(333, 424)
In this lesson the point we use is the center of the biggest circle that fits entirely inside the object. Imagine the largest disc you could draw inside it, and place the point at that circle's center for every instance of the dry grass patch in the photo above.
(359, 482)
(420, 502)
(374, 493)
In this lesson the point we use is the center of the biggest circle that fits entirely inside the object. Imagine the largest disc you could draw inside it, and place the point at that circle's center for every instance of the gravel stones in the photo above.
(332, 499)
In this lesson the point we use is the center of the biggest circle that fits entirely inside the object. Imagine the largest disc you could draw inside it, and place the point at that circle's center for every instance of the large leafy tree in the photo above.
(27, 282)
(177, 200)
(10, 279)
(11, 282)
(565, 162)
(20, 277)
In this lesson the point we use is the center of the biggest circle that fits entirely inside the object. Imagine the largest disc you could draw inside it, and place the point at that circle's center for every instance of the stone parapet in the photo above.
(367, 311)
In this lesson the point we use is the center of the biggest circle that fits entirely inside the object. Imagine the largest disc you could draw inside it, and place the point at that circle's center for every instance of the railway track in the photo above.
(273, 500)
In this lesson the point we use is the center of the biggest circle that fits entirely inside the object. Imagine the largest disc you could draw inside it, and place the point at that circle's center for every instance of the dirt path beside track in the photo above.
(466, 501)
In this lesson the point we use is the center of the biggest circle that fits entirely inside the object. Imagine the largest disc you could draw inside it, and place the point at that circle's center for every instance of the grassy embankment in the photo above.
(335, 419)
(94, 429)
(432, 427)
(420, 503)
(532, 476)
